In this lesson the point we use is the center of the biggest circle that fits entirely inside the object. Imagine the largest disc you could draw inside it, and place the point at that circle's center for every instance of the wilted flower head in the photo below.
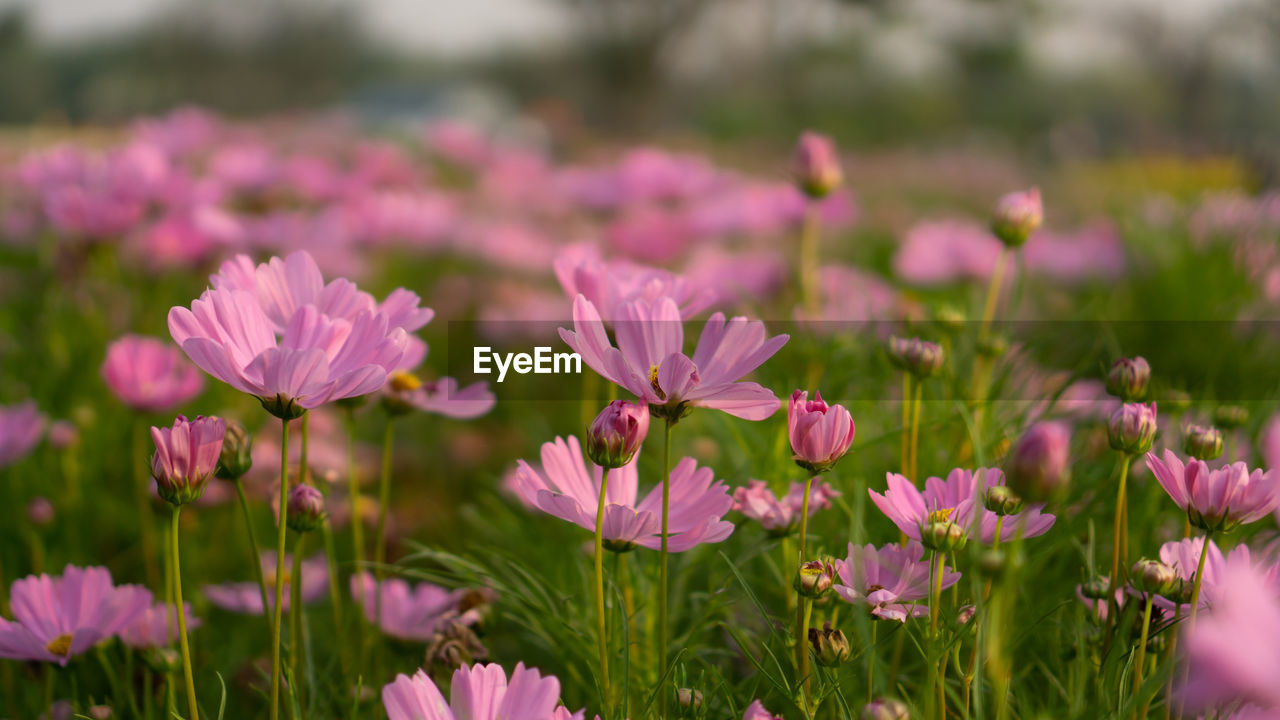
(830, 646)
(1202, 443)
(1038, 465)
(781, 516)
(1128, 378)
(616, 434)
(918, 357)
(305, 509)
(890, 580)
(816, 165)
(479, 692)
(1215, 500)
(186, 457)
(1017, 215)
(1132, 428)
(20, 429)
(820, 433)
(149, 374)
(57, 618)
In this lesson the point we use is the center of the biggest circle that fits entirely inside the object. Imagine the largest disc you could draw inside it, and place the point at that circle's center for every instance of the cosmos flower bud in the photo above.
(1001, 500)
(40, 511)
(940, 534)
(965, 614)
(820, 434)
(992, 563)
(816, 165)
(186, 456)
(830, 646)
(948, 318)
(1132, 428)
(993, 345)
(814, 578)
(1096, 589)
(616, 434)
(64, 434)
(1230, 417)
(1038, 466)
(1176, 401)
(237, 452)
(885, 709)
(690, 702)
(1153, 576)
(285, 408)
(918, 357)
(1202, 443)
(306, 508)
(1017, 215)
(1128, 379)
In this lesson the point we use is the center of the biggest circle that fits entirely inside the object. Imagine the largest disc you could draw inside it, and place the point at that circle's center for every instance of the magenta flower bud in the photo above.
(1132, 428)
(815, 578)
(1230, 417)
(1128, 378)
(1017, 215)
(306, 508)
(820, 433)
(816, 165)
(918, 357)
(1096, 589)
(965, 614)
(617, 433)
(885, 709)
(1038, 465)
(830, 646)
(237, 452)
(186, 457)
(1153, 576)
(40, 511)
(1202, 443)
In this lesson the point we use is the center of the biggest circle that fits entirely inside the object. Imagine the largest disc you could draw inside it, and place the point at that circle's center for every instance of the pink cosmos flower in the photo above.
(246, 597)
(1100, 607)
(1184, 557)
(961, 494)
(566, 489)
(756, 711)
(820, 434)
(479, 692)
(157, 626)
(1234, 652)
(56, 618)
(186, 457)
(412, 613)
(781, 516)
(149, 374)
(442, 397)
(816, 164)
(1215, 499)
(609, 286)
(650, 363)
(21, 427)
(889, 580)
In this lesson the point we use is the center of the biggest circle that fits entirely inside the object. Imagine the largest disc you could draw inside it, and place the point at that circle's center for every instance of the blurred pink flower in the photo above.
(409, 612)
(157, 626)
(610, 285)
(1215, 499)
(565, 488)
(57, 618)
(756, 711)
(961, 493)
(946, 251)
(149, 374)
(443, 397)
(21, 427)
(1184, 557)
(649, 361)
(889, 580)
(246, 597)
(781, 516)
(479, 692)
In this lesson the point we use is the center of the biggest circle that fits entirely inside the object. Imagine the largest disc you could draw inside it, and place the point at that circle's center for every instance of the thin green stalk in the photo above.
(384, 506)
(935, 608)
(1118, 531)
(1142, 648)
(277, 610)
(803, 606)
(662, 571)
(295, 621)
(905, 458)
(600, 614)
(810, 235)
(915, 431)
(257, 554)
(993, 292)
(353, 490)
(871, 662)
(180, 610)
(1195, 598)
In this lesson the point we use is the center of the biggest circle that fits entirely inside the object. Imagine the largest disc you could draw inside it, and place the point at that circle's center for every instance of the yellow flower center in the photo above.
(653, 382)
(402, 381)
(940, 516)
(60, 646)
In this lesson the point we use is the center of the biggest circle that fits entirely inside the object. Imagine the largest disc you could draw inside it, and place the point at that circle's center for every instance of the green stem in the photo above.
(257, 554)
(915, 431)
(803, 606)
(277, 611)
(935, 608)
(600, 613)
(353, 490)
(906, 424)
(180, 610)
(1118, 531)
(871, 662)
(380, 543)
(662, 571)
(993, 292)
(1142, 647)
(295, 621)
(810, 234)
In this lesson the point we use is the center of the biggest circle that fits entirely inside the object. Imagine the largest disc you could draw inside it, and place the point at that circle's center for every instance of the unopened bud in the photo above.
(1230, 417)
(40, 511)
(616, 434)
(1175, 401)
(965, 614)
(1202, 443)
(814, 578)
(1153, 576)
(306, 508)
(690, 702)
(1017, 215)
(918, 357)
(816, 165)
(940, 534)
(237, 452)
(1001, 500)
(1037, 467)
(885, 709)
(993, 345)
(1132, 428)
(1128, 378)
(830, 646)
(1096, 589)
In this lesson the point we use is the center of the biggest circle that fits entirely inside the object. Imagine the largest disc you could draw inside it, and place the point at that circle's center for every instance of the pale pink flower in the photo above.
(157, 626)
(1215, 499)
(565, 488)
(650, 363)
(246, 597)
(443, 397)
(756, 711)
(408, 612)
(57, 618)
(610, 285)
(479, 692)
(21, 427)
(781, 516)
(962, 494)
(890, 580)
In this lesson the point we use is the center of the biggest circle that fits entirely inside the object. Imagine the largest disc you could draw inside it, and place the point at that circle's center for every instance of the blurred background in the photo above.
(1056, 79)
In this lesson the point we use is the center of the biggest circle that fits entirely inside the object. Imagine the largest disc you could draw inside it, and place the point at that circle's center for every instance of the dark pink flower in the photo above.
(820, 434)
(57, 618)
(816, 165)
(186, 457)
(616, 434)
(149, 374)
